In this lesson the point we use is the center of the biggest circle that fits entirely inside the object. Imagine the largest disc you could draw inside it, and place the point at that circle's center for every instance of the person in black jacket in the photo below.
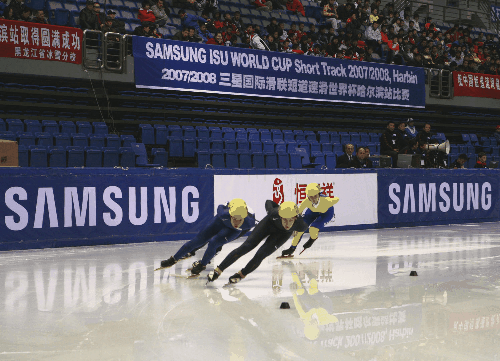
(361, 160)
(425, 136)
(88, 18)
(279, 224)
(389, 143)
(460, 162)
(346, 159)
(481, 160)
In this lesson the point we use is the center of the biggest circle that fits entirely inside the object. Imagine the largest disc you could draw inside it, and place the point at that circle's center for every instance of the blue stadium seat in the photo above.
(276, 134)
(160, 156)
(3, 126)
(244, 158)
(314, 146)
(188, 131)
(202, 132)
(318, 158)
(231, 158)
(189, 145)
(57, 157)
(79, 140)
(326, 147)
(283, 160)
(23, 156)
(111, 157)
(217, 157)
(175, 147)
(203, 158)
(97, 140)
(288, 135)
(299, 134)
(67, 127)
(62, 140)
(306, 163)
(253, 136)
(271, 160)
(33, 126)
(100, 128)
(161, 134)
(310, 135)
(44, 139)
(203, 144)
(216, 144)
(37, 156)
(127, 157)
(335, 137)
(76, 156)
(26, 139)
(147, 134)
(324, 137)
(113, 141)
(14, 125)
(175, 131)
(215, 133)
(127, 140)
(265, 134)
(8, 136)
(295, 160)
(473, 139)
(256, 146)
(84, 127)
(50, 126)
(267, 146)
(228, 134)
(243, 145)
(229, 145)
(93, 157)
(258, 160)
(241, 135)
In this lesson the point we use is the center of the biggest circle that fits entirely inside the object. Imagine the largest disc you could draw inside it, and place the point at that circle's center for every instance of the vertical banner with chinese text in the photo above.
(476, 85)
(19, 39)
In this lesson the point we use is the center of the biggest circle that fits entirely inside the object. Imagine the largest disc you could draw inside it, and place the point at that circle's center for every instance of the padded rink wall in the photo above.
(42, 208)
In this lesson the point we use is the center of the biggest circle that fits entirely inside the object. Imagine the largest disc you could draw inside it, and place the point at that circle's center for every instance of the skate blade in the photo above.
(160, 268)
(186, 276)
(283, 257)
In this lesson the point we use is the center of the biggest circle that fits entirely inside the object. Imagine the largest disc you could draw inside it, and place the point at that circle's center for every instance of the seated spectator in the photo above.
(389, 143)
(40, 17)
(496, 134)
(26, 14)
(17, 10)
(193, 36)
(346, 160)
(460, 162)
(410, 128)
(161, 13)
(190, 20)
(146, 29)
(361, 160)
(239, 22)
(296, 7)
(403, 139)
(217, 39)
(118, 26)
(425, 136)
(412, 147)
(263, 5)
(145, 12)
(204, 33)
(88, 17)
(101, 18)
(330, 13)
(481, 160)
(182, 35)
(374, 37)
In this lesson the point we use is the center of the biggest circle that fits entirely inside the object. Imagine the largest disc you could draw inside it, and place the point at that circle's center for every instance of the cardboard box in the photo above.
(8, 153)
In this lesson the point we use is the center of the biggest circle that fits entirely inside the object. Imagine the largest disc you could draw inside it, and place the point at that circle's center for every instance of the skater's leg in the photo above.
(272, 243)
(200, 239)
(224, 236)
(258, 234)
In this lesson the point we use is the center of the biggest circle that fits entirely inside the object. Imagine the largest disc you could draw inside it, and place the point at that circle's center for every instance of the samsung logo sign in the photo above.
(79, 206)
(442, 197)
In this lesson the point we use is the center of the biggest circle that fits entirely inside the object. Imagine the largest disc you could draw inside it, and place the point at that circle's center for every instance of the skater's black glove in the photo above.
(309, 243)
(288, 252)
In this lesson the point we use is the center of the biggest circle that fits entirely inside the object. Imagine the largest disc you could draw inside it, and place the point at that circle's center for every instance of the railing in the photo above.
(440, 83)
(105, 51)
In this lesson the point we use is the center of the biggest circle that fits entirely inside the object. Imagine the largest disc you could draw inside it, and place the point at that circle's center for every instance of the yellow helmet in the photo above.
(238, 207)
(288, 210)
(312, 189)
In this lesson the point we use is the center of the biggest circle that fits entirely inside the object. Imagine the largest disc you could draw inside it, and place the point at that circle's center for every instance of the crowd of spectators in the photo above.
(356, 30)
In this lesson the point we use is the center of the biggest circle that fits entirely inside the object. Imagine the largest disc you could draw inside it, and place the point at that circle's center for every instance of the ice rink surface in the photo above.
(351, 297)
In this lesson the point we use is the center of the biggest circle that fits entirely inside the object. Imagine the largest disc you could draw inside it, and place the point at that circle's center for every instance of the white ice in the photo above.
(351, 297)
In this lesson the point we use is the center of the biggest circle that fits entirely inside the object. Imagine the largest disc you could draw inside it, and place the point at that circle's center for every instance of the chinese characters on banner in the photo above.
(19, 39)
(300, 191)
(476, 85)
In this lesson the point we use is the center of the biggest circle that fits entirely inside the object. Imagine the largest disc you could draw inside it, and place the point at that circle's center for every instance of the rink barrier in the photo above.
(42, 208)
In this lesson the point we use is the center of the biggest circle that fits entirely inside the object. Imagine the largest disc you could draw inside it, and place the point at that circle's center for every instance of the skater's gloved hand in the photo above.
(309, 243)
(288, 252)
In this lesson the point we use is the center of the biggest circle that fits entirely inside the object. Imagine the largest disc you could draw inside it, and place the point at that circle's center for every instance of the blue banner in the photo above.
(72, 207)
(495, 13)
(177, 65)
(417, 197)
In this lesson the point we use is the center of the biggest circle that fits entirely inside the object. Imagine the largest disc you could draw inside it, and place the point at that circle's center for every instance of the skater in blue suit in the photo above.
(233, 220)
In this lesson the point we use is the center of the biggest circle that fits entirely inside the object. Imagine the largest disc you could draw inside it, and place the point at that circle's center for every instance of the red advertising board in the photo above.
(19, 39)
(476, 85)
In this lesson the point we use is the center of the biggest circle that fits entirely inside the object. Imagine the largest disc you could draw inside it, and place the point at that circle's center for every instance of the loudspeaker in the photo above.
(443, 147)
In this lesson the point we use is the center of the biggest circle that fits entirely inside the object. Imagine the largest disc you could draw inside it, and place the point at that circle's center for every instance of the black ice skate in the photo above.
(197, 268)
(167, 263)
(212, 276)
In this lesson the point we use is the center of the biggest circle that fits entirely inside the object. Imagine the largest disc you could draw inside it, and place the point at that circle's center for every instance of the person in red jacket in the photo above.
(145, 13)
(296, 7)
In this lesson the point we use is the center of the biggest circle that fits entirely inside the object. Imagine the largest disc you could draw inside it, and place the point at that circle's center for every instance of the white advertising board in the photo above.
(357, 193)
